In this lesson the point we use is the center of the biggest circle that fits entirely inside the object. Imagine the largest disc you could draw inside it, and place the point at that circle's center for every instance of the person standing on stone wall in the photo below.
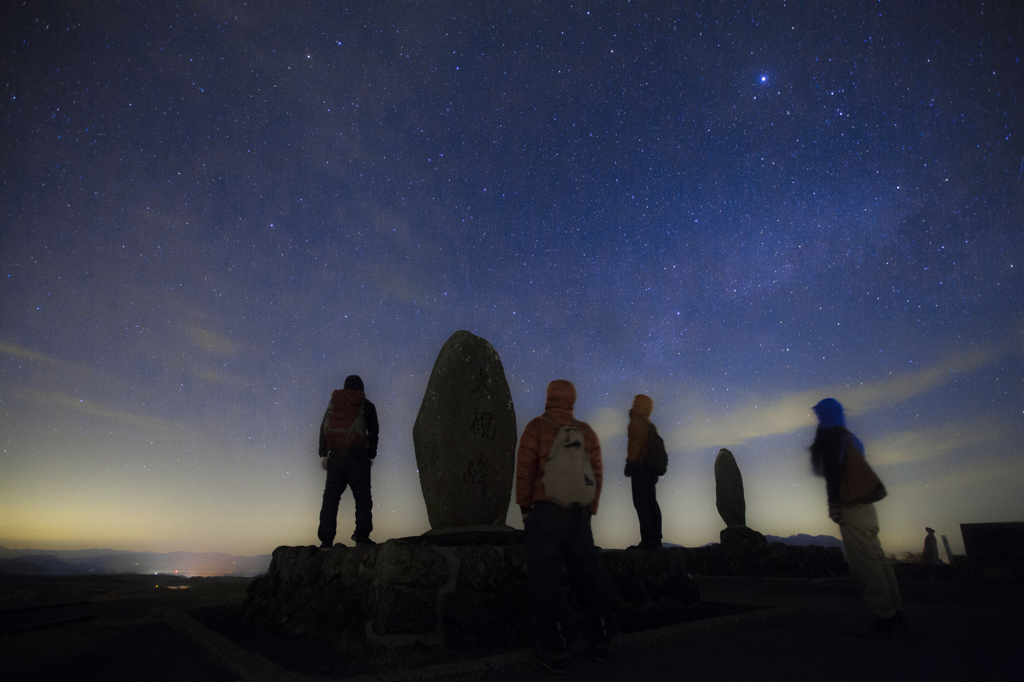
(930, 553)
(642, 478)
(348, 444)
(555, 532)
(853, 488)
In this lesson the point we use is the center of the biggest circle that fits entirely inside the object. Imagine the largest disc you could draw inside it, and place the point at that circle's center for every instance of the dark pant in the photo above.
(645, 501)
(346, 469)
(554, 534)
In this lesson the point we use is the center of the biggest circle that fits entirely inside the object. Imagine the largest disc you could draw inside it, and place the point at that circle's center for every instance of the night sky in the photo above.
(211, 213)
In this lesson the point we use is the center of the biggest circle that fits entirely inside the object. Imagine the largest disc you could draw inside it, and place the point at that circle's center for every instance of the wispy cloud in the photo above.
(609, 423)
(789, 412)
(989, 473)
(212, 341)
(221, 379)
(27, 353)
(93, 409)
(921, 445)
(895, 390)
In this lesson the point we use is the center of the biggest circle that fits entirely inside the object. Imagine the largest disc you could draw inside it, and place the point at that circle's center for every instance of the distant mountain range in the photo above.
(106, 561)
(803, 540)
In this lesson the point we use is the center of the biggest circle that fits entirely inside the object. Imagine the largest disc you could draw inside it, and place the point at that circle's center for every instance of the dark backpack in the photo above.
(344, 425)
(656, 460)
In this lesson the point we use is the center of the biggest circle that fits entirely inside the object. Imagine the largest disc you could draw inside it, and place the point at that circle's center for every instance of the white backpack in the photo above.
(568, 477)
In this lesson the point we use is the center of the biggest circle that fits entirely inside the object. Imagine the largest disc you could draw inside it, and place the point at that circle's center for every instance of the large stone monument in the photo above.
(731, 503)
(465, 437)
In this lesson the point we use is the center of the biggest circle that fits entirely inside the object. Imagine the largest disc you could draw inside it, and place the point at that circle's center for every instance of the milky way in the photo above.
(213, 212)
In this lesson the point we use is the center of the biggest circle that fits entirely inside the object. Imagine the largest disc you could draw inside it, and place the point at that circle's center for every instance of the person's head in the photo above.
(642, 405)
(561, 395)
(930, 531)
(830, 413)
(353, 383)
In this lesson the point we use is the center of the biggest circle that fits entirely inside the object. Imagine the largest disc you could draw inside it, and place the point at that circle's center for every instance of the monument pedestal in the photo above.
(498, 536)
(742, 536)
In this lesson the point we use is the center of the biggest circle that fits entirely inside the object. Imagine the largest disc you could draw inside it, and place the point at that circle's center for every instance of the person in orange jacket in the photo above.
(643, 480)
(555, 533)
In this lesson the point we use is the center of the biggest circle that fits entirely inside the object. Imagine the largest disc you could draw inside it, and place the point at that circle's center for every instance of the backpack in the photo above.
(656, 459)
(568, 476)
(859, 484)
(344, 425)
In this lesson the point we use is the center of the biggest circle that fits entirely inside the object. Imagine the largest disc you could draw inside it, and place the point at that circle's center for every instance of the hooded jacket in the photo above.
(535, 446)
(639, 426)
(830, 449)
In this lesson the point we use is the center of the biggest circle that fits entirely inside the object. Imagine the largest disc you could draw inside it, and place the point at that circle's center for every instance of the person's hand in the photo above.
(835, 512)
(323, 463)
(526, 512)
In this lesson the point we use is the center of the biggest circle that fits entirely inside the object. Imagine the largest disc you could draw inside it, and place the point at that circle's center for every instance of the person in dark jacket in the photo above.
(642, 479)
(349, 467)
(852, 490)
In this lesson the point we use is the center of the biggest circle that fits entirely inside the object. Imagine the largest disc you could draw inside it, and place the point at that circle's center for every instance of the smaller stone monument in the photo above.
(731, 504)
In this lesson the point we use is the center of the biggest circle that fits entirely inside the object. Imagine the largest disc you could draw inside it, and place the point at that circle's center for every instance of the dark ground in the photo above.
(129, 628)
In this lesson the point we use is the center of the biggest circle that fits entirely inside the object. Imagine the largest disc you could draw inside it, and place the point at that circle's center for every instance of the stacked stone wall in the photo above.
(368, 598)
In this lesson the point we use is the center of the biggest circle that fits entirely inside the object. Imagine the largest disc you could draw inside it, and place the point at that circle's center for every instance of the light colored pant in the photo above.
(867, 560)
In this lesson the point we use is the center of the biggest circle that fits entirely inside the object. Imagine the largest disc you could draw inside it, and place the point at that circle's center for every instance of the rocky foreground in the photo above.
(475, 597)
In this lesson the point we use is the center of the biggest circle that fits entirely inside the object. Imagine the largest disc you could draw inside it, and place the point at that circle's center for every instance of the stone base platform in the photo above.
(368, 599)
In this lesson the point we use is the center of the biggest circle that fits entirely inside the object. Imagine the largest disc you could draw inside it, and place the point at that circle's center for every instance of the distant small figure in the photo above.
(558, 485)
(348, 443)
(643, 470)
(930, 553)
(853, 488)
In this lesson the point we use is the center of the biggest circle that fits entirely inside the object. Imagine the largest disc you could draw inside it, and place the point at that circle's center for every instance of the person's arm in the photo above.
(372, 427)
(593, 447)
(636, 439)
(323, 442)
(832, 466)
(527, 469)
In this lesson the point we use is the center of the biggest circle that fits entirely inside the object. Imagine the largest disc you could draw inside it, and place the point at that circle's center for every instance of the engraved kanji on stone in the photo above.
(483, 426)
(481, 382)
(479, 471)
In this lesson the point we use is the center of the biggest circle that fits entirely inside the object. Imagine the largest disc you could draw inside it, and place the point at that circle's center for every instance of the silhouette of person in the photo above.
(853, 488)
(642, 479)
(555, 533)
(930, 553)
(348, 465)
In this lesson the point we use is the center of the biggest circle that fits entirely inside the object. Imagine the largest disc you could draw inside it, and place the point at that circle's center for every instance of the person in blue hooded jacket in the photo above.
(853, 488)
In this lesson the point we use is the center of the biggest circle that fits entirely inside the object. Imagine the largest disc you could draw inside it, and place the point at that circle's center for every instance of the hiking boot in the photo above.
(364, 541)
(557, 663)
(900, 624)
(600, 641)
(881, 628)
(326, 545)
